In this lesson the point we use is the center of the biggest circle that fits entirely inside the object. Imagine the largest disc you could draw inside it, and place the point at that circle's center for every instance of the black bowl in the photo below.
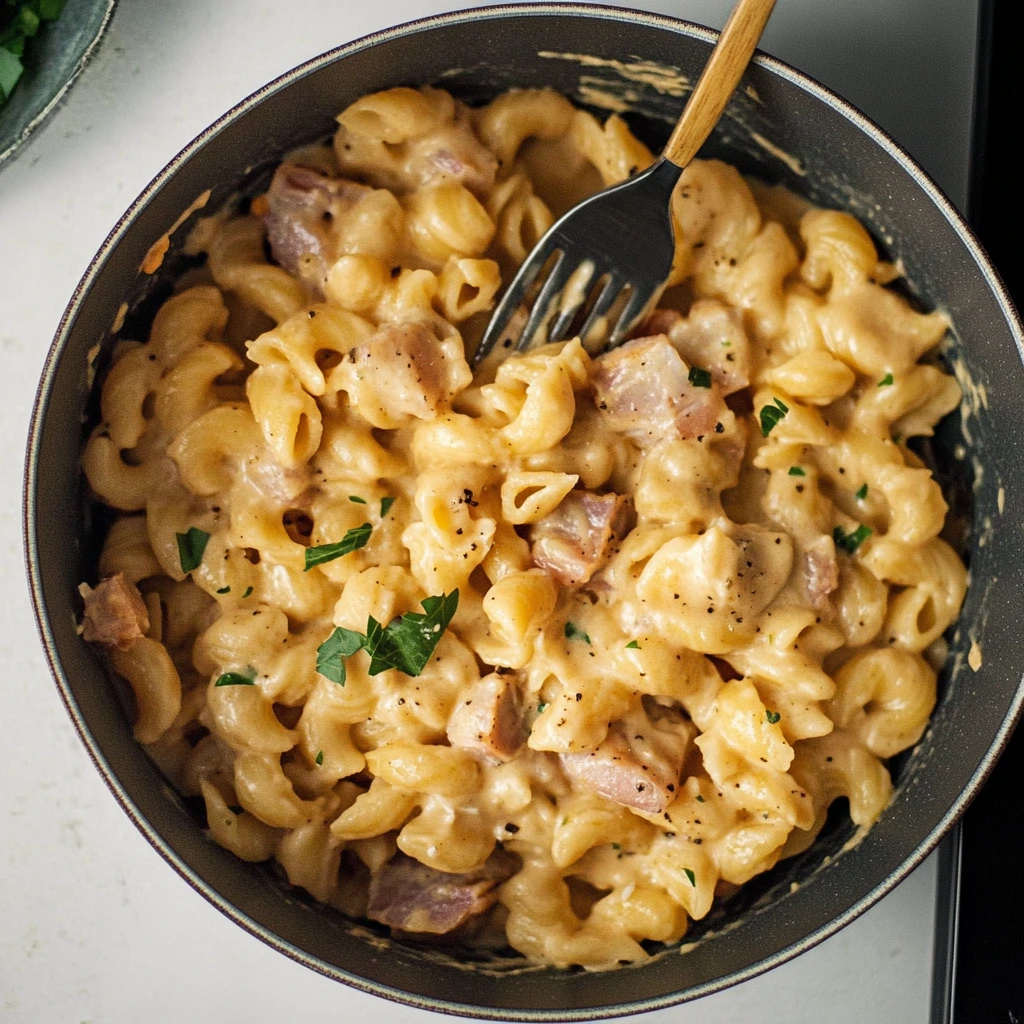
(843, 161)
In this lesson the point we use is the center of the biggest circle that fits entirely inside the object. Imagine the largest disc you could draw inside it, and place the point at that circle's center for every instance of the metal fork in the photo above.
(624, 234)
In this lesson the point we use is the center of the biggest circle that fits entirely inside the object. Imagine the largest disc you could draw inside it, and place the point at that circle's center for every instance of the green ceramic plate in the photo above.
(52, 62)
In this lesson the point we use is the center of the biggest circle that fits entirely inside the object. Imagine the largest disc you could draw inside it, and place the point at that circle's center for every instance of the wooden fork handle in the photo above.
(719, 79)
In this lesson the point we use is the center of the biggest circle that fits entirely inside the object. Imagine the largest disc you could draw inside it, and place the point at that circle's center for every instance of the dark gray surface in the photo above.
(908, 64)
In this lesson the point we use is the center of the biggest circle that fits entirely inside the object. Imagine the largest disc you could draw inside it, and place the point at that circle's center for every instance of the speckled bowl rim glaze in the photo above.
(31, 511)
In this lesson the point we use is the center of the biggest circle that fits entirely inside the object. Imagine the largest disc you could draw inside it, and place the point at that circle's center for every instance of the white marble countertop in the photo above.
(94, 926)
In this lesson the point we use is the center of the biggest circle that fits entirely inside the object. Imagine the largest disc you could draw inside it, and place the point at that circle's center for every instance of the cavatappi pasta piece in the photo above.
(567, 650)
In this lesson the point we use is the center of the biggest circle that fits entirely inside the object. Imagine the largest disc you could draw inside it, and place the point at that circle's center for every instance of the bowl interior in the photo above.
(781, 128)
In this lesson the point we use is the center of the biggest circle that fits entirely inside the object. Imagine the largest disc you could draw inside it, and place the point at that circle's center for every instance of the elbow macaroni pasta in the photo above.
(735, 617)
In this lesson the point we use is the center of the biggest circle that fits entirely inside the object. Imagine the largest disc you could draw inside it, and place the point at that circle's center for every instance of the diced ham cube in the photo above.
(403, 365)
(456, 155)
(643, 389)
(639, 763)
(575, 540)
(489, 719)
(821, 573)
(115, 614)
(301, 206)
(412, 897)
(711, 336)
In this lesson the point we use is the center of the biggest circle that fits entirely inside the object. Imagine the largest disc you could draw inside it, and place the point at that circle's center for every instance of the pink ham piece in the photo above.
(301, 206)
(643, 389)
(821, 574)
(711, 336)
(639, 763)
(115, 614)
(575, 540)
(489, 719)
(403, 362)
(412, 897)
(460, 157)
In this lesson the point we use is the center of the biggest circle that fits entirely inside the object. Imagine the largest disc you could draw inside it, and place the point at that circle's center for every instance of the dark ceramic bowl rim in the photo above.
(783, 70)
(40, 118)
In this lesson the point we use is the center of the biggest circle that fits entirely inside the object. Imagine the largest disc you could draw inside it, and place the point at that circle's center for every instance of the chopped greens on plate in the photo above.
(20, 20)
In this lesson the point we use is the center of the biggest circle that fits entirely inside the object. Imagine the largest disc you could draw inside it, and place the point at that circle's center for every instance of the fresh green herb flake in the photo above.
(385, 506)
(896, 437)
(191, 546)
(616, 846)
(11, 69)
(726, 344)
(224, 590)
(770, 416)
(885, 381)
(27, 21)
(572, 631)
(246, 678)
(356, 538)
(331, 654)
(355, 498)
(796, 471)
(691, 876)
(700, 799)
(699, 378)
(20, 23)
(319, 757)
(772, 716)
(248, 591)
(633, 646)
(849, 542)
(862, 493)
(541, 708)
(407, 643)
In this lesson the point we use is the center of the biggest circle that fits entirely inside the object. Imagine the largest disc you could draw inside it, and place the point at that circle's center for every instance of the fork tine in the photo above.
(511, 301)
(635, 307)
(604, 302)
(577, 294)
(556, 281)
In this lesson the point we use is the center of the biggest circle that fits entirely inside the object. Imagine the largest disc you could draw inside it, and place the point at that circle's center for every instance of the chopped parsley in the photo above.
(700, 799)
(248, 591)
(691, 876)
(356, 499)
(849, 542)
(572, 631)
(191, 546)
(246, 678)
(862, 493)
(699, 378)
(885, 381)
(224, 590)
(356, 538)
(770, 416)
(319, 757)
(541, 708)
(633, 646)
(385, 506)
(616, 846)
(330, 655)
(19, 22)
(772, 716)
(796, 471)
(405, 643)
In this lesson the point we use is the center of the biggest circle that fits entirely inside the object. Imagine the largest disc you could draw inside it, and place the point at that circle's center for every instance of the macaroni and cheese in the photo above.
(554, 655)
